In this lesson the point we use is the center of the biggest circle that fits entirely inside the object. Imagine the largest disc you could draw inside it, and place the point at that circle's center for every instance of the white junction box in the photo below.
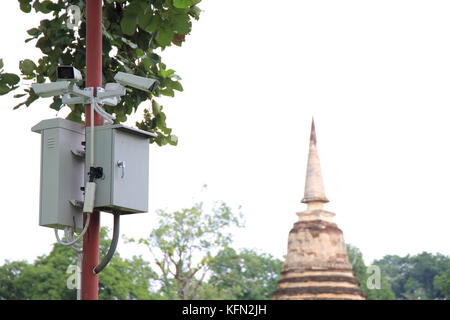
(62, 172)
(123, 154)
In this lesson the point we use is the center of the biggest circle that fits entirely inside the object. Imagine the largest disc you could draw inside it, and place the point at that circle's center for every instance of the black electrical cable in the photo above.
(112, 247)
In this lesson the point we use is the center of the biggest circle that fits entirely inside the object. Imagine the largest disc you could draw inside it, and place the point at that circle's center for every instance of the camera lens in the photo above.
(65, 73)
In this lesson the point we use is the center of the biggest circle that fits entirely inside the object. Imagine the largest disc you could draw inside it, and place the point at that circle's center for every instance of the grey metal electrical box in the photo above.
(123, 154)
(62, 173)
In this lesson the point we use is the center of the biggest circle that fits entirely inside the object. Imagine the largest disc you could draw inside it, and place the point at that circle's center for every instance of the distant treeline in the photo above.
(190, 257)
(424, 276)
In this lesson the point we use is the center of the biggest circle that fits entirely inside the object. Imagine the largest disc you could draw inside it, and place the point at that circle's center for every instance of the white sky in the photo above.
(375, 75)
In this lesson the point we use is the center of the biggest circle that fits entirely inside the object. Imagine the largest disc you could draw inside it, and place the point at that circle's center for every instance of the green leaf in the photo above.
(147, 62)
(121, 117)
(166, 73)
(195, 12)
(177, 86)
(167, 92)
(164, 37)
(25, 5)
(155, 22)
(4, 89)
(74, 116)
(182, 4)
(1, 63)
(33, 97)
(166, 130)
(181, 23)
(27, 67)
(156, 107)
(140, 52)
(144, 19)
(128, 24)
(134, 8)
(154, 58)
(57, 103)
(46, 6)
(160, 141)
(34, 32)
(10, 78)
(18, 105)
(160, 120)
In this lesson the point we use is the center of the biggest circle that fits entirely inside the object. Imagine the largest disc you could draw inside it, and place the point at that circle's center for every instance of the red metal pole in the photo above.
(91, 240)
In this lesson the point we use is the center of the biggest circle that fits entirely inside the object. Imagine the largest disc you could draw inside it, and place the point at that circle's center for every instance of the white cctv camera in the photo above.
(68, 73)
(51, 89)
(137, 82)
(111, 94)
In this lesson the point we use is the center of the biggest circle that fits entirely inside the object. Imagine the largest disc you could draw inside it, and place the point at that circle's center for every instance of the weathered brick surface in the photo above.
(316, 265)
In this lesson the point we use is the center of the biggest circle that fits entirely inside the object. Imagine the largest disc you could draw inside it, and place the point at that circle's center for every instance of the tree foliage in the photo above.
(212, 270)
(442, 282)
(184, 244)
(135, 32)
(192, 258)
(423, 276)
(8, 81)
(46, 278)
(245, 275)
(361, 274)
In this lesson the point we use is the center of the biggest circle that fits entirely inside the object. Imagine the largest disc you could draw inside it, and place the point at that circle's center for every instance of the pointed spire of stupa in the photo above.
(314, 189)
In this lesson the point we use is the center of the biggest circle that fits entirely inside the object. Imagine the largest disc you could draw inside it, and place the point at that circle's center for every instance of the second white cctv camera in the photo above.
(68, 73)
(137, 82)
(51, 89)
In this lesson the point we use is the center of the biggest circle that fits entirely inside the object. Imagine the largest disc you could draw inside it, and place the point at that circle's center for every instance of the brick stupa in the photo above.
(316, 265)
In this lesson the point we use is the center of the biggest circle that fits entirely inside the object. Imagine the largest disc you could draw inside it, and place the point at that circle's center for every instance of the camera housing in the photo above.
(51, 89)
(141, 83)
(68, 73)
